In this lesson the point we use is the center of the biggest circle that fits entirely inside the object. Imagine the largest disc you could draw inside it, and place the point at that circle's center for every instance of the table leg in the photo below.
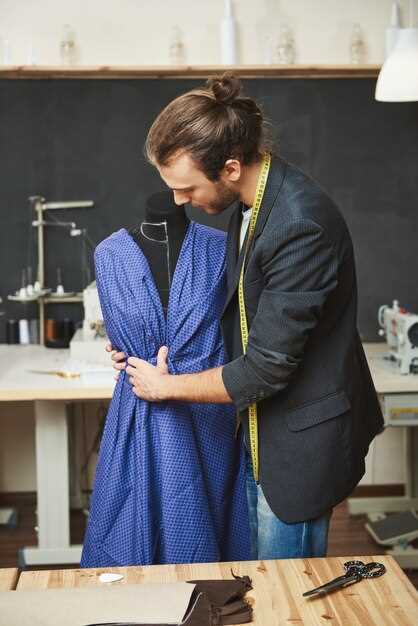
(75, 464)
(394, 504)
(51, 430)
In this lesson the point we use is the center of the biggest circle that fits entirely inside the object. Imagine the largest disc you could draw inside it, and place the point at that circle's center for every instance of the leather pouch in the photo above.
(226, 598)
(217, 603)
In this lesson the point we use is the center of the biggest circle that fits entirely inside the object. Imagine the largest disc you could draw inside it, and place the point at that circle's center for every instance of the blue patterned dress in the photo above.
(170, 479)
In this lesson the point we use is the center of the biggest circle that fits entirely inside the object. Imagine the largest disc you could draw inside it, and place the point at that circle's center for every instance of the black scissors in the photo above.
(354, 572)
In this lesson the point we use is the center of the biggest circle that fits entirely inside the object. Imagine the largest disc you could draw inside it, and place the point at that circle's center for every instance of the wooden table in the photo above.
(8, 579)
(278, 587)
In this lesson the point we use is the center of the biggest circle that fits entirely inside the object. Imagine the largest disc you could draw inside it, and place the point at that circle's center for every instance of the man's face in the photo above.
(190, 185)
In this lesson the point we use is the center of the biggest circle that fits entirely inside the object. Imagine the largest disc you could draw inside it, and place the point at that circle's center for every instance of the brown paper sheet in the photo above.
(148, 603)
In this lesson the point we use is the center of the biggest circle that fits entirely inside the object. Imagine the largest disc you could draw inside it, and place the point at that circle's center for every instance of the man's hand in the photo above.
(155, 384)
(118, 358)
(149, 382)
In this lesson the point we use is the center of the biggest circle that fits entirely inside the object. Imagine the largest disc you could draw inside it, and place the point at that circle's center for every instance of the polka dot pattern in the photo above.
(170, 480)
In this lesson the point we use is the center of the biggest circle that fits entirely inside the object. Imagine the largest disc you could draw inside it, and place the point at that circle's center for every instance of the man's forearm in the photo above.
(204, 386)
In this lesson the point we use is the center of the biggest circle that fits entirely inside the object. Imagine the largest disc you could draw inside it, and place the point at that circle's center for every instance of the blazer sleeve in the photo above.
(300, 267)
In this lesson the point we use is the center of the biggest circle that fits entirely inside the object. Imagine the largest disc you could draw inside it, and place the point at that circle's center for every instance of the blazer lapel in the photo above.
(274, 184)
(234, 262)
(232, 246)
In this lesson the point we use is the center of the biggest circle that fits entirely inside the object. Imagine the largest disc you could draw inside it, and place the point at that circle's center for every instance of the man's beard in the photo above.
(224, 197)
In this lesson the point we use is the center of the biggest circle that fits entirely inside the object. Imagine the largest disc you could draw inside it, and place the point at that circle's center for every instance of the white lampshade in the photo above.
(398, 78)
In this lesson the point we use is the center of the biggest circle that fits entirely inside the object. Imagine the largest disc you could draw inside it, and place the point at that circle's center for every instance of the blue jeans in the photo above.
(273, 539)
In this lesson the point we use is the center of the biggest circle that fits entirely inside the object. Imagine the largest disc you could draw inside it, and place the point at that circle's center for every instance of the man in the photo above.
(299, 380)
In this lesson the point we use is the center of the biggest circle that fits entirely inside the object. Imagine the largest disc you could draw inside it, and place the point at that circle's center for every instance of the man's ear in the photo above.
(231, 171)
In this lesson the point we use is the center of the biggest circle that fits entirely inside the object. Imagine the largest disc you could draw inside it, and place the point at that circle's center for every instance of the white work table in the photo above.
(398, 395)
(51, 396)
(18, 383)
(385, 374)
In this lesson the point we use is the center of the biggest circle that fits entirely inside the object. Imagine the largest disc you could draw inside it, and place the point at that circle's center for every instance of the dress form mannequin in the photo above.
(160, 237)
(152, 453)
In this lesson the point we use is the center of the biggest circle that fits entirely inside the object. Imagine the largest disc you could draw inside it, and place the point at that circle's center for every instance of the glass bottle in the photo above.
(285, 49)
(177, 50)
(357, 46)
(268, 50)
(68, 46)
(5, 56)
(30, 53)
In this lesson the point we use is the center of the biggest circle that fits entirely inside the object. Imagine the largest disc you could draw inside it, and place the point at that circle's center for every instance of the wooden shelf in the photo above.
(48, 299)
(64, 300)
(202, 71)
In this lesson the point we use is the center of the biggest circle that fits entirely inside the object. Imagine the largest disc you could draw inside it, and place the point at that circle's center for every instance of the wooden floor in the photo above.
(347, 535)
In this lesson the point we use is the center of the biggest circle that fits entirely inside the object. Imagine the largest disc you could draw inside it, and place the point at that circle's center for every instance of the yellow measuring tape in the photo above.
(252, 409)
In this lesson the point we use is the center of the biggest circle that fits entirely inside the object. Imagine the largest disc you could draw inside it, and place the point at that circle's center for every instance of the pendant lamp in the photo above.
(398, 78)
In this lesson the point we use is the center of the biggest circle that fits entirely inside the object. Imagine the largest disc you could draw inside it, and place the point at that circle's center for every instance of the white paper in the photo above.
(110, 578)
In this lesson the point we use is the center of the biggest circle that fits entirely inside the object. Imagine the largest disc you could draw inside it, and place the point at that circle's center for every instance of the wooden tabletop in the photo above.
(8, 579)
(385, 374)
(278, 587)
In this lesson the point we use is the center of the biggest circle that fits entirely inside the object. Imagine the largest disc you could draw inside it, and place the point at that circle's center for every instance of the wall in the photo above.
(139, 32)
(82, 139)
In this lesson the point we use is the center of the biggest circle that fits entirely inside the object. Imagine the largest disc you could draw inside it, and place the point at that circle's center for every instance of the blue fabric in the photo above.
(271, 538)
(170, 479)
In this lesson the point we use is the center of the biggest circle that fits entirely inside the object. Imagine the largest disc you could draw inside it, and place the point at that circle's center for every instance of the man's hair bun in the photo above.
(212, 124)
(225, 88)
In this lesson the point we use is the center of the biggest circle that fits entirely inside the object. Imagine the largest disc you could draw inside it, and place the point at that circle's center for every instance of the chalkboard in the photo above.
(83, 140)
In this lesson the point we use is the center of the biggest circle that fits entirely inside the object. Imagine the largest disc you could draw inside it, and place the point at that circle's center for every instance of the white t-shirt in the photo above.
(246, 217)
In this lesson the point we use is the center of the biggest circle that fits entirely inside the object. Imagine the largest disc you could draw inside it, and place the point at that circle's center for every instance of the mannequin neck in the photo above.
(176, 219)
(162, 224)
(160, 236)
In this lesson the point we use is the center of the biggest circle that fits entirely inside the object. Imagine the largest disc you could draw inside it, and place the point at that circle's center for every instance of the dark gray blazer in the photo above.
(305, 366)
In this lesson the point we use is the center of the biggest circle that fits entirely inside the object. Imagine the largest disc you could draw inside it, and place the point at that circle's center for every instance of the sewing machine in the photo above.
(400, 328)
(93, 326)
(88, 343)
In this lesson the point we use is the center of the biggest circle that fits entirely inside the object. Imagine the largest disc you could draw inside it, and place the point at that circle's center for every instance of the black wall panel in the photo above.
(83, 139)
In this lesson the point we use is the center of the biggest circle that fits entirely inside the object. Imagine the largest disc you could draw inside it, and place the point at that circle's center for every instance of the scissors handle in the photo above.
(365, 570)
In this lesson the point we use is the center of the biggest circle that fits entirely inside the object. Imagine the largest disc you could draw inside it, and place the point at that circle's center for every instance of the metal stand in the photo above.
(40, 206)
(8, 516)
